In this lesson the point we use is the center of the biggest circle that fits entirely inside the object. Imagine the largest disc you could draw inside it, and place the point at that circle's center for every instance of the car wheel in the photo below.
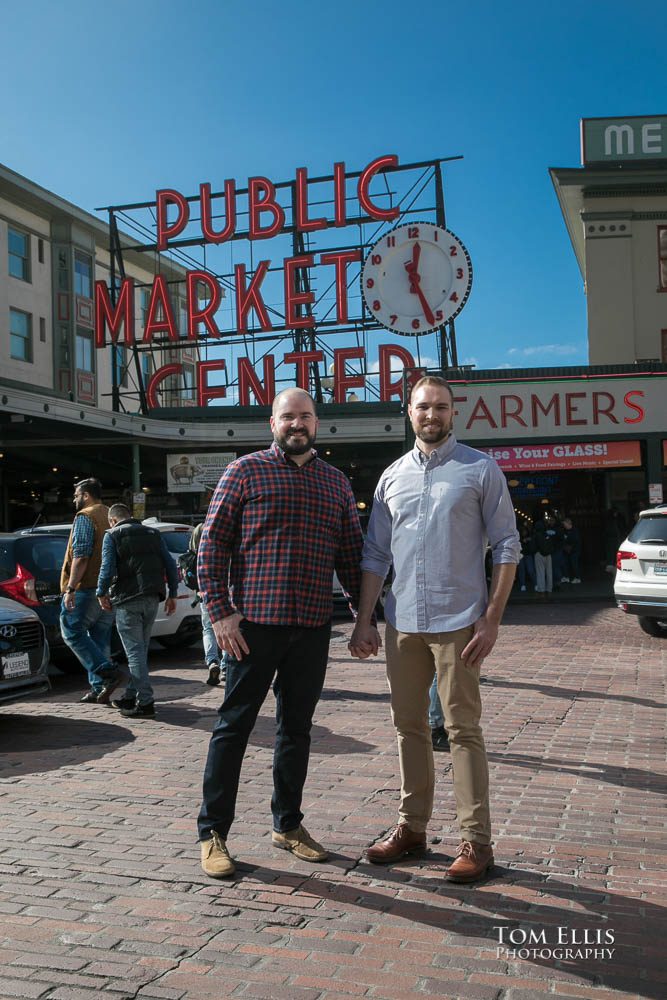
(656, 627)
(174, 641)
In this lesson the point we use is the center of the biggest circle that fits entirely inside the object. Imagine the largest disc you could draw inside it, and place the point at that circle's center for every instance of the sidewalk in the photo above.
(102, 894)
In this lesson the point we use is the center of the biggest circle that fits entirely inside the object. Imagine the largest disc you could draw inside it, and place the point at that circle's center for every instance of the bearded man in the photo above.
(434, 511)
(84, 625)
(279, 523)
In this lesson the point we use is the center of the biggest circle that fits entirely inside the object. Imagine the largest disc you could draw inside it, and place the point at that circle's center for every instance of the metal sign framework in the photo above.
(416, 189)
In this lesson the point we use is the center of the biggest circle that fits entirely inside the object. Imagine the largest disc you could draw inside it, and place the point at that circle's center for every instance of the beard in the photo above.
(295, 444)
(79, 504)
(433, 433)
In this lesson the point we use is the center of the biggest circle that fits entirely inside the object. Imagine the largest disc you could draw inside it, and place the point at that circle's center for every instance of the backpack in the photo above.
(187, 563)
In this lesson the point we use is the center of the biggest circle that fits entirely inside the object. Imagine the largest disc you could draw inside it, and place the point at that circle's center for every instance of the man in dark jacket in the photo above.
(135, 561)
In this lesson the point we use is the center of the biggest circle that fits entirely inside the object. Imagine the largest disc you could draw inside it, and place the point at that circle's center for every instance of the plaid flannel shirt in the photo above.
(274, 533)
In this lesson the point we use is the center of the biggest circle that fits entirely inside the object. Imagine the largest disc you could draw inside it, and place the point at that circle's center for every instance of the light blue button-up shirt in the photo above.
(432, 518)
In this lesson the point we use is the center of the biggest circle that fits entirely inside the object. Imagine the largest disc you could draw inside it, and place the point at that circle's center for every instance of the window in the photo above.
(189, 381)
(20, 335)
(662, 258)
(146, 367)
(119, 362)
(83, 275)
(19, 254)
(663, 334)
(183, 326)
(84, 350)
(145, 302)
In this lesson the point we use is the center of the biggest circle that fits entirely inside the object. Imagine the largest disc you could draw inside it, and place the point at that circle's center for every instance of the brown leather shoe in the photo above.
(401, 841)
(472, 862)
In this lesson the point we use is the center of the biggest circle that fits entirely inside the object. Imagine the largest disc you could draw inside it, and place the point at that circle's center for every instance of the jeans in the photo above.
(526, 570)
(87, 631)
(211, 651)
(435, 717)
(134, 621)
(558, 565)
(573, 565)
(543, 573)
(295, 660)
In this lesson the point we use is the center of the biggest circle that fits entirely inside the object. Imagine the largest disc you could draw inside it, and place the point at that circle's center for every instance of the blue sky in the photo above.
(104, 104)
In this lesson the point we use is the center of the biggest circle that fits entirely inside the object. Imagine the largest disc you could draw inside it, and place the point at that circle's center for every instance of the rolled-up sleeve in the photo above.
(108, 567)
(83, 537)
(348, 554)
(376, 557)
(217, 539)
(498, 516)
(170, 568)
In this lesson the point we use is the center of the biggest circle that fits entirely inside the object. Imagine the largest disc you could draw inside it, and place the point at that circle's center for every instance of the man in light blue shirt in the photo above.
(435, 511)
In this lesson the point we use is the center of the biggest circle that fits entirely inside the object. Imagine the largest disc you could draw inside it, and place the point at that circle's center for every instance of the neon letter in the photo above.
(205, 315)
(207, 215)
(106, 315)
(382, 214)
(165, 231)
(341, 258)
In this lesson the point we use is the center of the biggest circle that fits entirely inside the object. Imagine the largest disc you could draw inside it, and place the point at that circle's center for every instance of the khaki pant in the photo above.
(412, 659)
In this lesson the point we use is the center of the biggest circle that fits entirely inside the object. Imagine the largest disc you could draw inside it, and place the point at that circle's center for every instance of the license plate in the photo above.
(15, 665)
(660, 569)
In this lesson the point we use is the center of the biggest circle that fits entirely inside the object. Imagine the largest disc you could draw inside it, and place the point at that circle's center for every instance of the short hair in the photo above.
(119, 512)
(432, 380)
(283, 392)
(91, 486)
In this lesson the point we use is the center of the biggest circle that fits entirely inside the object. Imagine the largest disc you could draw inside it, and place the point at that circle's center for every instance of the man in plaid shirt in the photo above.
(280, 522)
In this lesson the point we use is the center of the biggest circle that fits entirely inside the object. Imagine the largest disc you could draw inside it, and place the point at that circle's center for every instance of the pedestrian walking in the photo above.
(545, 541)
(135, 562)
(432, 514)
(526, 568)
(572, 550)
(84, 625)
(436, 719)
(214, 659)
(280, 522)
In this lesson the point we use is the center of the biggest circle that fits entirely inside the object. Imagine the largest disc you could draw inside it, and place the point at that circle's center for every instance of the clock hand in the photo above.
(415, 283)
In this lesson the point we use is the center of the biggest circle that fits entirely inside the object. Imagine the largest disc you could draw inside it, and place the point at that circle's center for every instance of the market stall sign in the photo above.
(569, 455)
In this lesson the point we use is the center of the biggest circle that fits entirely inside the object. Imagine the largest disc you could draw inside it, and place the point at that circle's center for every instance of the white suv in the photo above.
(184, 626)
(640, 586)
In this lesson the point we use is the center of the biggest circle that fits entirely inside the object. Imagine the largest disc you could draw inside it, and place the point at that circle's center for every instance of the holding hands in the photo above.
(365, 641)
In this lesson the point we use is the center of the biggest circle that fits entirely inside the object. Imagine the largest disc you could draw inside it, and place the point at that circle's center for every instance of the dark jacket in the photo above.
(140, 565)
(545, 539)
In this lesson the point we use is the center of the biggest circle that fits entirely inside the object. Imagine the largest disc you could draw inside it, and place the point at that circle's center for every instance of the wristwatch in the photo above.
(70, 590)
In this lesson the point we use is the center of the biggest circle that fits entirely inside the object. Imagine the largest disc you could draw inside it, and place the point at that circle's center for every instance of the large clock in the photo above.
(416, 278)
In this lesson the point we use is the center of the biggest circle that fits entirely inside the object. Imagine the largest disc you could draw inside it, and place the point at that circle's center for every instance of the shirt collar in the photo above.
(280, 456)
(439, 454)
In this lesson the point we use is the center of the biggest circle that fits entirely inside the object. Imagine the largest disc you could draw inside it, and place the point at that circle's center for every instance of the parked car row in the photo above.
(30, 565)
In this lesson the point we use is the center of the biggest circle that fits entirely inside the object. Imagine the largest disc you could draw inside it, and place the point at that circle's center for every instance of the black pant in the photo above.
(297, 658)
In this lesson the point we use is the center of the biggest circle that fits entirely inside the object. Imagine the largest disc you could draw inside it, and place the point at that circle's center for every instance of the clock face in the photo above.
(416, 278)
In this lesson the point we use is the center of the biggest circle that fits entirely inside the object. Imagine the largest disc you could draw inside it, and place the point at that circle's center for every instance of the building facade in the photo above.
(615, 210)
(579, 440)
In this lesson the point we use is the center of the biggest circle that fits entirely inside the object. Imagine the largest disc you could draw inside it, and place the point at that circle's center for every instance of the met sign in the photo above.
(622, 140)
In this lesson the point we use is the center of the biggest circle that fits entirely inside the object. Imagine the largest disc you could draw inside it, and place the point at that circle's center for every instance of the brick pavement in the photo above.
(102, 895)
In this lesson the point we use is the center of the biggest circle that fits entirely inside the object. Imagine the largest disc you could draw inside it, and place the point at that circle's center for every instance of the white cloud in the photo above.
(562, 350)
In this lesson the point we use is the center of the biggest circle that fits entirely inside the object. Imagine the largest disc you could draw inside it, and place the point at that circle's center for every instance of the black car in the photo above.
(30, 565)
(24, 653)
